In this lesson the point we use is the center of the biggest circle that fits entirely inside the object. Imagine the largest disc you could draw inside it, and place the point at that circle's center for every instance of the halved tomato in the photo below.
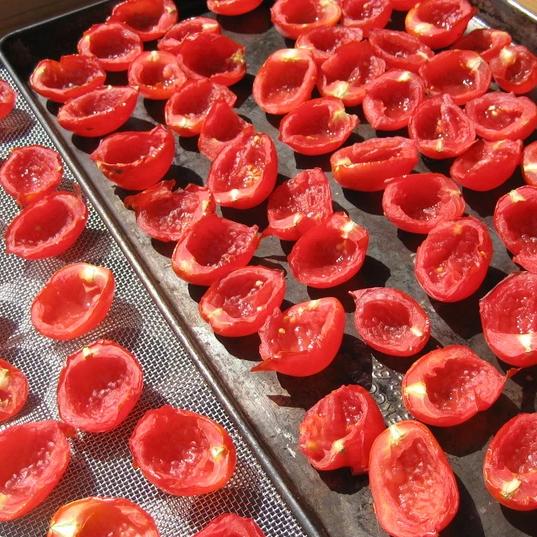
(13, 391)
(7, 99)
(366, 14)
(302, 340)
(181, 452)
(487, 41)
(515, 69)
(231, 525)
(74, 301)
(529, 164)
(239, 303)
(174, 37)
(232, 7)
(339, 430)
(403, 5)
(391, 321)
(413, 487)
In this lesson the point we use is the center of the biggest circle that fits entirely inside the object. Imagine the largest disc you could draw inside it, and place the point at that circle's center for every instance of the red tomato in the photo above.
(448, 386)
(231, 525)
(391, 321)
(463, 74)
(166, 215)
(486, 165)
(317, 127)
(74, 301)
(13, 391)
(500, 116)
(529, 164)
(244, 173)
(174, 37)
(98, 112)
(212, 56)
(181, 452)
(187, 109)
(509, 468)
(47, 227)
(486, 41)
(302, 340)
(391, 100)
(366, 14)
(232, 7)
(346, 73)
(285, 80)
(113, 45)
(239, 303)
(330, 253)
(150, 19)
(136, 160)
(99, 386)
(453, 260)
(30, 173)
(367, 165)
(440, 128)
(515, 69)
(338, 430)
(439, 23)
(413, 487)
(156, 74)
(7, 99)
(299, 204)
(212, 248)
(403, 5)
(34, 458)
(71, 77)
(94, 517)
(294, 17)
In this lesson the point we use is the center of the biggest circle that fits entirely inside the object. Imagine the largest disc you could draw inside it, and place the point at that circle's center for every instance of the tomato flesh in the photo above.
(13, 391)
(232, 7)
(515, 69)
(174, 37)
(7, 99)
(529, 164)
(487, 41)
(231, 525)
(366, 14)
(403, 5)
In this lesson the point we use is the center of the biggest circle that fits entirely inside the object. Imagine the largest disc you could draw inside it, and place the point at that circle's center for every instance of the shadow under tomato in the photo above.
(244, 348)
(53, 108)
(33, 402)
(343, 482)
(183, 176)
(117, 79)
(136, 124)
(85, 144)
(256, 216)
(15, 126)
(189, 143)
(7, 327)
(527, 380)
(437, 165)
(254, 22)
(243, 89)
(410, 241)
(266, 262)
(369, 202)
(522, 520)
(196, 291)
(305, 162)
(274, 120)
(163, 248)
(155, 109)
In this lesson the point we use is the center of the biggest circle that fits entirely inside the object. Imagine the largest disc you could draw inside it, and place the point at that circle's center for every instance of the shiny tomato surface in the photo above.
(366, 14)
(515, 69)
(529, 164)
(13, 390)
(323, 42)
(7, 99)
(174, 37)
(486, 41)
(231, 525)
(232, 7)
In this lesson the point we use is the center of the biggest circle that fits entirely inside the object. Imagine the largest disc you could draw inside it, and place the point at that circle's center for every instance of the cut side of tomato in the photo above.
(302, 340)
(339, 430)
(174, 37)
(239, 304)
(181, 452)
(515, 69)
(366, 14)
(7, 99)
(231, 525)
(413, 486)
(487, 41)
(391, 321)
(403, 5)
(13, 391)
(232, 7)
(529, 164)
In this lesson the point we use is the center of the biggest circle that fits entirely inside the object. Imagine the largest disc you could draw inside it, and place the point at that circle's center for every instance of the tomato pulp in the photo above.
(13, 391)
(232, 7)
(515, 69)
(366, 14)
(529, 164)
(486, 41)
(231, 525)
(7, 99)
(174, 37)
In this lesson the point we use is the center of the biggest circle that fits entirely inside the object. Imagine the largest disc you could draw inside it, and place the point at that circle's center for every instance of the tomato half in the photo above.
(232, 7)
(13, 391)
(487, 41)
(244, 173)
(453, 260)
(317, 127)
(94, 517)
(413, 487)
(366, 14)
(515, 69)
(403, 5)
(98, 112)
(174, 37)
(302, 340)
(34, 458)
(367, 165)
(31, 172)
(391, 321)
(165, 214)
(74, 301)
(529, 164)
(239, 303)
(181, 452)
(136, 160)
(231, 525)
(339, 430)
(299, 204)
(509, 468)
(7, 99)
(212, 248)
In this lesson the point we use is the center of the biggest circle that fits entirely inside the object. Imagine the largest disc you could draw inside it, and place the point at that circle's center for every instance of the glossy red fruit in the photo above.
(299, 204)
(403, 5)
(113, 45)
(509, 468)
(174, 37)
(239, 303)
(231, 525)
(136, 160)
(212, 248)
(181, 452)
(413, 487)
(285, 80)
(317, 127)
(367, 166)
(487, 165)
(529, 164)
(232, 7)
(7, 99)
(98, 112)
(366, 14)
(487, 41)
(13, 391)
(30, 173)
(391, 321)
(302, 340)
(448, 386)
(339, 430)
(37, 455)
(74, 301)
(515, 69)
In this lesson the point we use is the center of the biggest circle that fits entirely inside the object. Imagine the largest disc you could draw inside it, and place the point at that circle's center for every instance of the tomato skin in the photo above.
(510, 478)
(339, 430)
(288, 345)
(7, 99)
(232, 7)
(174, 37)
(13, 391)
(366, 14)
(169, 435)
(487, 41)
(515, 69)
(403, 5)
(529, 164)
(249, 286)
(399, 457)
(231, 525)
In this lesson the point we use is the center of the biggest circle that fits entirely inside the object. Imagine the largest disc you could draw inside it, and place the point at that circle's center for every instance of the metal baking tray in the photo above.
(336, 503)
